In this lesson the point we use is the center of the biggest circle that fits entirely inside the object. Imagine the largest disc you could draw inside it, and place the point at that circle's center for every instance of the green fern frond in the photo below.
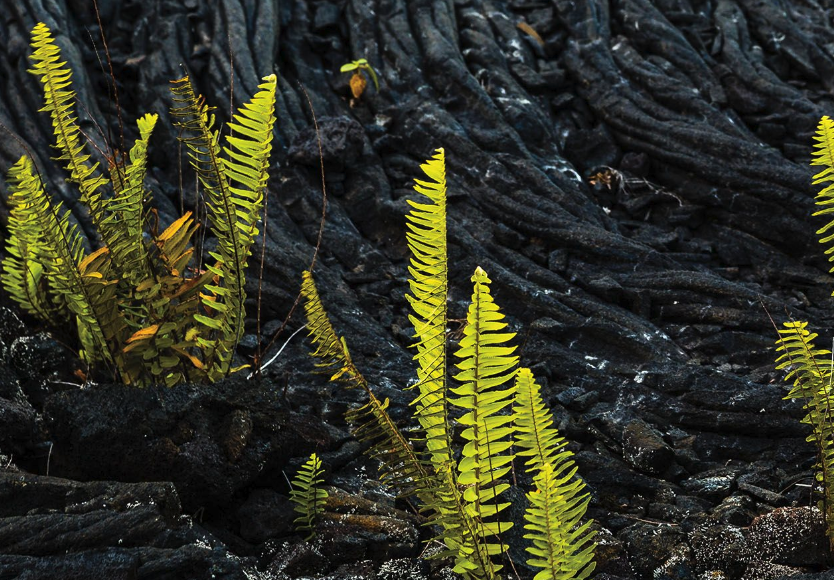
(331, 349)
(308, 495)
(556, 506)
(59, 99)
(459, 530)
(80, 283)
(486, 366)
(561, 547)
(400, 466)
(535, 436)
(25, 268)
(234, 190)
(426, 237)
(125, 210)
(824, 156)
(810, 369)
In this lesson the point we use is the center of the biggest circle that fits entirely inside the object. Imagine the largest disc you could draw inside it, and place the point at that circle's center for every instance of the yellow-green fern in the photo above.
(486, 367)
(59, 100)
(400, 465)
(428, 282)
(535, 436)
(126, 210)
(824, 155)
(560, 546)
(434, 485)
(810, 370)
(234, 186)
(308, 496)
(25, 269)
(138, 309)
(77, 282)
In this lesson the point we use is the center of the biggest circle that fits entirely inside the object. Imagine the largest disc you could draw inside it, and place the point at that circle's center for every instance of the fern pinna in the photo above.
(137, 311)
(810, 369)
(308, 495)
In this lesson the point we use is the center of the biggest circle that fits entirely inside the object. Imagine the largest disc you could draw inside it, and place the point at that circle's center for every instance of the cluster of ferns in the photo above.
(140, 312)
(498, 404)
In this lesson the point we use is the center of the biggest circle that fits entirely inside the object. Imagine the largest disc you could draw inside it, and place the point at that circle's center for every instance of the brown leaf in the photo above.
(358, 84)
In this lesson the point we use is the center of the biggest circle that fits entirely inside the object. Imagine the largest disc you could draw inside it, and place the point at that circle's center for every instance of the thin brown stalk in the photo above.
(258, 359)
(112, 76)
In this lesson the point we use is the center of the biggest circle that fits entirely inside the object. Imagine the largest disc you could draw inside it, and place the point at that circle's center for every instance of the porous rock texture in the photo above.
(633, 177)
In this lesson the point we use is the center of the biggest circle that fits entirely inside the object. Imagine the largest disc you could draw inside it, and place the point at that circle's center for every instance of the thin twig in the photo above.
(321, 227)
(112, 76)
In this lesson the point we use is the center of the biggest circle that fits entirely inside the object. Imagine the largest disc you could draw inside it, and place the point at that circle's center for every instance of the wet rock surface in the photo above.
(636, 185)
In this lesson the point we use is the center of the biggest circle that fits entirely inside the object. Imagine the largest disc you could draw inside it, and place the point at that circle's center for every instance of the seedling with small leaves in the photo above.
(358, 81)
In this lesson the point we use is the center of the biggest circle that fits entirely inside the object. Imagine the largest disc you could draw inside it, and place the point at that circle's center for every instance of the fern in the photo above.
(400, 466)
(463, 500)
(426, 238)
(535, 436)
(811, 371)
(79, 283)
(485, 367)
(234, 188)
(435, 486)
(25, 268)
(59, 100)
(824, 155)
(561, 547)
(135, 305)
(125, 217)
(555, 506)
(308, 495)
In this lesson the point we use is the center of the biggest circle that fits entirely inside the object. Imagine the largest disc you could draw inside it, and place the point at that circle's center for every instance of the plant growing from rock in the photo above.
(308, 496)
(809, 367)
(358, 82)
(501, 409)
(136, 309)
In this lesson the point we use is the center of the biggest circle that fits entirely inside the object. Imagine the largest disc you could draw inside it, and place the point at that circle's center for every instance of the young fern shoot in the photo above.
(308, 496)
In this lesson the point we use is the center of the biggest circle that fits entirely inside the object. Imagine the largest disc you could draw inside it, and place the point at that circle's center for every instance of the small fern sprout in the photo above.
(357, 81)
(308, 495)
